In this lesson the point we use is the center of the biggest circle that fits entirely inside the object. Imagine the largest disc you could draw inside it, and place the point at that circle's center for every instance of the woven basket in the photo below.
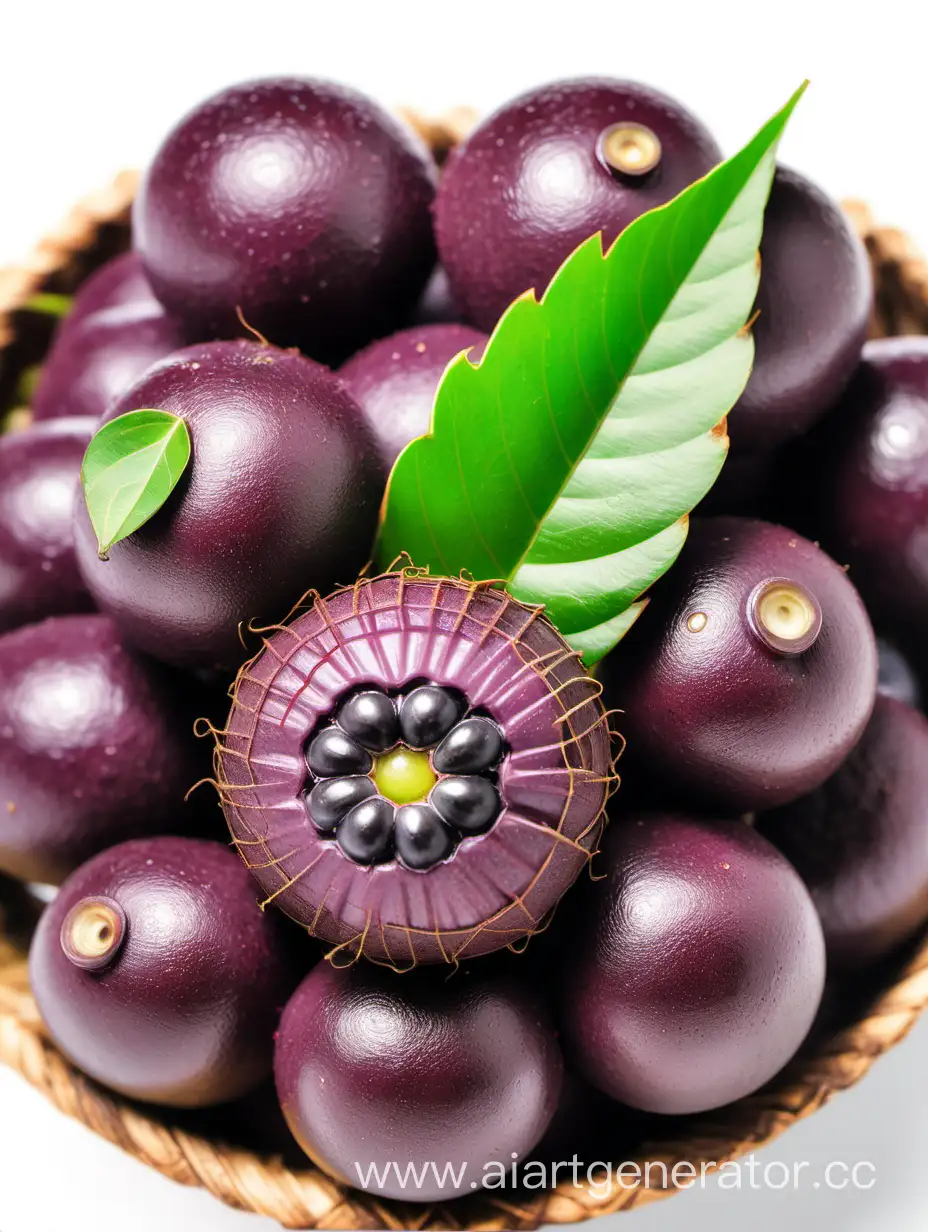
(841, 1054)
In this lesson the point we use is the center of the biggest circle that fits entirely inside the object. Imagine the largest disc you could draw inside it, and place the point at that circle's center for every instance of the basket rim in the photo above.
(308, 1198)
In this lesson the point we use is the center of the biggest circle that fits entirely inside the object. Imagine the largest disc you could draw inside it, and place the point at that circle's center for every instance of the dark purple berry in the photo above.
(860, 841)
(693, 969)
(395, 379)
(366, 833)
(299, 205)
(281, 495)
(39, 470)
(473, 746)
(813, 305)
(95, 362)
(370, 718)
(547, 171)
(117, 282)
(422, 839)
(97, 746)
(427, 714)
(376, 1070)
(871, 487)
(895, 675)
(469, 804)
(752, 673)
(155, 971)
(332, 752)
(330, 800)
(473, 644)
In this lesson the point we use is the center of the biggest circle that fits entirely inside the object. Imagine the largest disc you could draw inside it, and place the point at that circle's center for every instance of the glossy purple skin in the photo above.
(118, 282)
(301, 202)
(873, 489)
(97, 746)
(896, 676)
(394, 380)
(281, 496)
(860, 841)
(496, 887)
(94, 362)
(814, 304)
(721, 719)
(526, 187)
(696, 967)
(436, 306)
(39, 469)
(373, 1068)
(185, 1012)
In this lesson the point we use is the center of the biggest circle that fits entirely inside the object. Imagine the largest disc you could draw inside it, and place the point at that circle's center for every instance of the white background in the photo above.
(88, 88)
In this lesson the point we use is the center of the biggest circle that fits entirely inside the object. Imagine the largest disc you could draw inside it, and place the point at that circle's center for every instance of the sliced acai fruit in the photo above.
(98, 359)
(297, 205)
(280, 496)
(692, 969)
(156, 972)
(373, 1071)
(424, 865)
(860, 841)
(97, 746)
(548, 170)
(394, 380)
(117, 282)
(39, 469)
(752, 673)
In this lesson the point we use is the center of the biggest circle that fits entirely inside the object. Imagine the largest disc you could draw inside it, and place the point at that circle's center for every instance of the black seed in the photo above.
(370, 717)
(422, 839)
(427, 714)
(469, 804)
(332, 752)
(366, 834)
(330, 800)
(469, 748)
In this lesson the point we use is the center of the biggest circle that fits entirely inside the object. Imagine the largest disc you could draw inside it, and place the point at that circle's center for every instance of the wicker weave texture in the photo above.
(307, 1198)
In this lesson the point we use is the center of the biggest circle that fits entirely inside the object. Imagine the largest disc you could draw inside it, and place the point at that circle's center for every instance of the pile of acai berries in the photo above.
(415, 770)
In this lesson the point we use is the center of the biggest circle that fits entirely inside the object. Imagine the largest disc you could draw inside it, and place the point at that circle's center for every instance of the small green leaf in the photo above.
(49, 304)
(131, 467)
(566, 461)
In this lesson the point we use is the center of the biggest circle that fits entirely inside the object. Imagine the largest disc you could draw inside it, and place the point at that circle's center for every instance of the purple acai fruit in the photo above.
(895, 676)
(415, 769)
(394, 380)
(548, 170)
(813, 306)
(157, 973)
(752, 673)
(376, 1072)
(94, 362)
(280, 496)
(39, 470)
(871, 487)
(860, 841)
(695, 968)
(118, 282)
(96, 746)
(300, 206)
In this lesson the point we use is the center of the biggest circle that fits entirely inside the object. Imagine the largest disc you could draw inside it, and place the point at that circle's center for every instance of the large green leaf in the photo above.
(131, 467)
(566, 461)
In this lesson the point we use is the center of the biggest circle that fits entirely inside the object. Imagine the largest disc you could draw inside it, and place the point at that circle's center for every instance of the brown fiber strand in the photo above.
(307, 1198)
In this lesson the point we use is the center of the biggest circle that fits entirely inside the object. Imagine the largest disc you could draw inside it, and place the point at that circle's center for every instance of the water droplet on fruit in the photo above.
(697, 622)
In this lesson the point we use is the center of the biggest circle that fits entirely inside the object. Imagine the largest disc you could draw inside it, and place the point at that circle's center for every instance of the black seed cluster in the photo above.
(341, 795)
